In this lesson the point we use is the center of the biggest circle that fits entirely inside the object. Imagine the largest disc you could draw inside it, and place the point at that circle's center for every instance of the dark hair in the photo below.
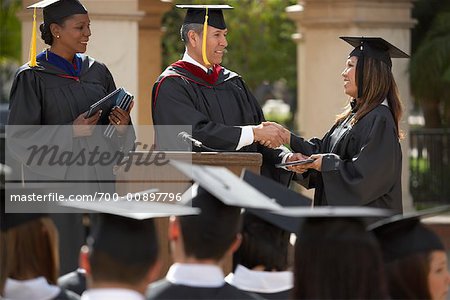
(46, 33)
(263, 244)
(408, 277)
(337, 259)
(185, 28)
(104, 267)
(210, 234)
(379, 84)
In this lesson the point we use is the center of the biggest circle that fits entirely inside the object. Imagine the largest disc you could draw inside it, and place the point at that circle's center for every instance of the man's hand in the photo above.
(271, 134)
(84, 126)
(268, 135)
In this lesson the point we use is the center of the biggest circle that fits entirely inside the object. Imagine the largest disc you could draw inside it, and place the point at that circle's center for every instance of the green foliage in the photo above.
(10, 30)
(260, 47)
(430, 60)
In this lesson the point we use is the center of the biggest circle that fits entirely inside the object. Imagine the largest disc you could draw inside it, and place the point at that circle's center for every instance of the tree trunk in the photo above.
(430, 108)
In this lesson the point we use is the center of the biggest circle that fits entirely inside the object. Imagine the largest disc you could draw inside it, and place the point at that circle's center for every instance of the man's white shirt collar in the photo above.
(111, 294)
(260, 281)
(189, 59)
(196, 275)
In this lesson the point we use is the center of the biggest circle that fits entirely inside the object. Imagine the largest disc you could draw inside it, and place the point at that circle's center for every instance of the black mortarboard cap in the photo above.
(282, 195)
(125, 228)
(127, 240)
(404, 235)
(196, 14)
(55, 10)
(374, 47)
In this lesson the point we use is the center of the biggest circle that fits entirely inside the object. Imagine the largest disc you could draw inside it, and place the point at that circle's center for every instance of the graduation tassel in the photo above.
(33, 42)
(205, 29)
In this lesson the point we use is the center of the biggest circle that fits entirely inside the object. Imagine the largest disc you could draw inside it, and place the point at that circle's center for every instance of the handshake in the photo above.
(271, 134)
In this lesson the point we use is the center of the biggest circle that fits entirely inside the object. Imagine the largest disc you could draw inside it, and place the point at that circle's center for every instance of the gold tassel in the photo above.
(205, 29)
(33, 42)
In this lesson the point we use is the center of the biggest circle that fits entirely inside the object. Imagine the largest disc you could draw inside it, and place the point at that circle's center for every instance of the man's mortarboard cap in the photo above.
(129, 240)
(125, 228)
(225, 186)
(375, 47)
(403, 235)
(207, 15)
(283, 196)
(196, 14)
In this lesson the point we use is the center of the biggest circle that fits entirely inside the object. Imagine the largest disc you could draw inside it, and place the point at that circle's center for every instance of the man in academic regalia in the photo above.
(197, 91)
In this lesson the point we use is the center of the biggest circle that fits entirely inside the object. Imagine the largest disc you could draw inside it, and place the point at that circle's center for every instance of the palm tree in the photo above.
(430, 72)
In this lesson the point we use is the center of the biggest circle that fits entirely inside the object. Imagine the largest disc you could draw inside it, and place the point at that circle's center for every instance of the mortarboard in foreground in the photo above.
(404, 235)
(282, 195)
(125, 228)
(225, 186)
(375, 47)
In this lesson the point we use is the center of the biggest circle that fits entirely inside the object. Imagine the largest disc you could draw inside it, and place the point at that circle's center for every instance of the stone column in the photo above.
(321, 59)
(149, 60)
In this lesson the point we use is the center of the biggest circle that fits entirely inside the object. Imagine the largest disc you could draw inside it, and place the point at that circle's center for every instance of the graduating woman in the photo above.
(415, 257)
(57, 87)
(359, 160)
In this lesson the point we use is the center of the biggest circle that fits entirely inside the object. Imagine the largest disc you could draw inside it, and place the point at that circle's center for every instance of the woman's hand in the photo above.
(120, 118)
(84, 126)
(316, 164)
(283, 132)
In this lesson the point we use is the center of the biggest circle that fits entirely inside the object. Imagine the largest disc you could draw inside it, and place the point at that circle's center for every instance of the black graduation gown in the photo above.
(163, 289)
(74, 281)
(364, 165)
(46, 95)
(279, 295)
(67, 295)
(213, 105)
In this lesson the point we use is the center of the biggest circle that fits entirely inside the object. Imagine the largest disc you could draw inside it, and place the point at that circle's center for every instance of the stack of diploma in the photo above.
(120, 98)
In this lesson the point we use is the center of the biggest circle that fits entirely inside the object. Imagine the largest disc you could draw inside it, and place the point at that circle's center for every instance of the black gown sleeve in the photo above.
(26, 104)
(370, 173)
(175, 105)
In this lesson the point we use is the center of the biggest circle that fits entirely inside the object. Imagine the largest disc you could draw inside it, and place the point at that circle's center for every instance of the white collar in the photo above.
(37, 289)
(189, 59)
(196, 275)
(260, 281)
(385, 102)
(111, 294)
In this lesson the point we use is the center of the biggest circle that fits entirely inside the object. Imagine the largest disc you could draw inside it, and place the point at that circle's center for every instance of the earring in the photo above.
(57, 36)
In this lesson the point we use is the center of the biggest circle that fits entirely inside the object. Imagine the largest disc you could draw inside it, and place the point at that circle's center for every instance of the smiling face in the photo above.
(216, 43)
(439, 277)
(349, 74)
(73, 36)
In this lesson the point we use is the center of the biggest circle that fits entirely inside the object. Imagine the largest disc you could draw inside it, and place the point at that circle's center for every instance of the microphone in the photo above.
(187, 137)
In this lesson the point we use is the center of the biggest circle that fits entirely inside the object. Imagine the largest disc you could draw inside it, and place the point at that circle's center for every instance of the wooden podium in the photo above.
(137, 176)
